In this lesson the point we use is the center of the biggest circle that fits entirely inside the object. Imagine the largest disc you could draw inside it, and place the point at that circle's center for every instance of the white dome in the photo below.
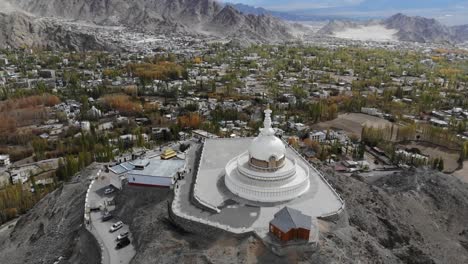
(267, 144)
(264, 147)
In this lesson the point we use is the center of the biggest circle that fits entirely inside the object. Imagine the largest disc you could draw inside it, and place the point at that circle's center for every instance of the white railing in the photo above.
(195, 184)
(324, 179)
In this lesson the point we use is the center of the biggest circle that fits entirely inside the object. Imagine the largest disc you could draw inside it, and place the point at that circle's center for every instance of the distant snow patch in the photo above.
(368, 33)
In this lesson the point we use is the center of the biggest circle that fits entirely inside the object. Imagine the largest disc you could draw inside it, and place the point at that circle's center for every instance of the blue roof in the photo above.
(122, 168)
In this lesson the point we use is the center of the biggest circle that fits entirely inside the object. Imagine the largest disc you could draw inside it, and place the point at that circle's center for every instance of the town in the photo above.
(358, 111)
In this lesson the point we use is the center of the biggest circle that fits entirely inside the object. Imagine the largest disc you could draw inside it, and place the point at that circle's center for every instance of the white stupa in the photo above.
(265, 173)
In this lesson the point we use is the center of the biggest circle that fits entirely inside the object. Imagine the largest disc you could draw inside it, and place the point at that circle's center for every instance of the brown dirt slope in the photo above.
(157, 240)
(409, 217)
(52, 229)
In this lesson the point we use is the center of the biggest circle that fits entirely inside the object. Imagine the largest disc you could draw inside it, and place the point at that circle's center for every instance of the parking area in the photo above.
(99, 198)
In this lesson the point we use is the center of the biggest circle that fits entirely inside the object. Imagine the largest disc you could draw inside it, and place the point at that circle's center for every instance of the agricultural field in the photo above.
(450, 157)
(352, 123)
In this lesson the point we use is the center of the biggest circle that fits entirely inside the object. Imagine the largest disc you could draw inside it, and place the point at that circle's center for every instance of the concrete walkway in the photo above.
(238, 215)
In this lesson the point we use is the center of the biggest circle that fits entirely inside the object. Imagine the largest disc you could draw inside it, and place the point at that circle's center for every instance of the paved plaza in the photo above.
(320, 200)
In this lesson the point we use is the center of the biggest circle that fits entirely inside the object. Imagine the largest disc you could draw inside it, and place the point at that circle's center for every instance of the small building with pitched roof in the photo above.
(290, 224)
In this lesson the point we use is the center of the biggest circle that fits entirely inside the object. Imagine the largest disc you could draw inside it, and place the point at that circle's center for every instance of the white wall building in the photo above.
(4, 160)
(85, 126)
(155, 172)
(318, 136)
(371, 111)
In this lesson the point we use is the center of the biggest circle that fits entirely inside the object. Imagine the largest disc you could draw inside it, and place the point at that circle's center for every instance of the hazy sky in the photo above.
(297, 4)
(446, 11)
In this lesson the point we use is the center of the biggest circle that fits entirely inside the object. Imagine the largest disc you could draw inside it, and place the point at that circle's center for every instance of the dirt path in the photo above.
(463, 173)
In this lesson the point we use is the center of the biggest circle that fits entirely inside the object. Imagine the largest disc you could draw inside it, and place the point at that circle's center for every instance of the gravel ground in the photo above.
(463, 173)
(408, 217)
(53, 229)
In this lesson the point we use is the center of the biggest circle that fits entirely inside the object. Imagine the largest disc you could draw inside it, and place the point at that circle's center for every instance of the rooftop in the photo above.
(289, 218)
(320, 200)
(159, 168)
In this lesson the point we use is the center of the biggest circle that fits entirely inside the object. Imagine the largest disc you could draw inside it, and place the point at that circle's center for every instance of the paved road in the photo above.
(101, 229)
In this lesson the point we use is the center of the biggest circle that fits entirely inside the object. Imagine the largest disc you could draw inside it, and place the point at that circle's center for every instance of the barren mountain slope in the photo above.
(411, 217)
(420, 29)
(163, 16)
(52, 229)
(19, 29)
(405, 28)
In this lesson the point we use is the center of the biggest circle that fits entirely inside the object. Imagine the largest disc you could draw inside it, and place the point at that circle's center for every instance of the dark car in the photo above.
(123, 243)
(95, 208)
(107, 217)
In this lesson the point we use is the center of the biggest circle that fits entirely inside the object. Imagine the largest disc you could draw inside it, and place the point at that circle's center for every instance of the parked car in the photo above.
(123, 243)
(116, 226)
(95, 208)
(107, 217)
(109, 191)
(122, 236)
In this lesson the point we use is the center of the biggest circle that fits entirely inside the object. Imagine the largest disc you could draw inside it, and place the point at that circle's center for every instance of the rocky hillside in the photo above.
(461, 32)
(420, 29)
(19, 29)
(161, 16)
(53, 229)
(413, 29)
(409, 217)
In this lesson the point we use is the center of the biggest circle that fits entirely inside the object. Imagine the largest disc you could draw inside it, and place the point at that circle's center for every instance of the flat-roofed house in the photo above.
(4, 160)
(155, 172)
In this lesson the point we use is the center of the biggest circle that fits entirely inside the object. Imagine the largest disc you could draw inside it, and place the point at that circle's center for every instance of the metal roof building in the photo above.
(155, 172)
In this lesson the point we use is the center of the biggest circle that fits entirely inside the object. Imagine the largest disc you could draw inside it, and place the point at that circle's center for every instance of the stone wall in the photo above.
(207, 230)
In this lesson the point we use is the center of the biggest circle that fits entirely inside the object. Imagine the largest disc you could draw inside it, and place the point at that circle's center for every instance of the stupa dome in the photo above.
(265, 147)
(267, 151)
(266, 173)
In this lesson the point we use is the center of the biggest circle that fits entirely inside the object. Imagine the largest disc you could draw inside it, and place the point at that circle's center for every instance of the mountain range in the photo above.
(19, 29)
(450, 12)
(406, 28)
(290, 16)
(195, 17)
(52, 23)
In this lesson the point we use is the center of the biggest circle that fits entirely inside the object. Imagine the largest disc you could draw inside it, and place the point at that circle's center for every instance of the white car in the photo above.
(116, 226)
(109, 191)
(122, 236)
